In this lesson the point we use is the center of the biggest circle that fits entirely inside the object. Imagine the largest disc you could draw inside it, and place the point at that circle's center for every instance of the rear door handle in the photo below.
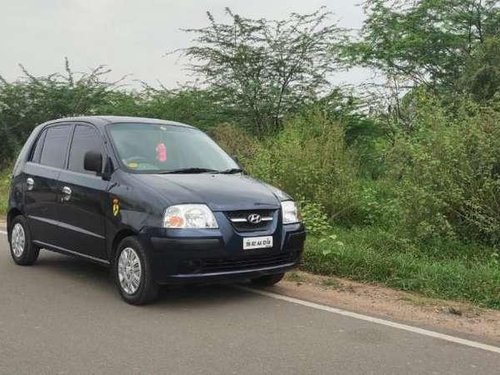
(30, 183)
(66, 194)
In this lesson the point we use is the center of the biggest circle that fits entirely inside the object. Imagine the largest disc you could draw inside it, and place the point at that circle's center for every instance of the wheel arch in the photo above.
(13, 212)
(119, 236)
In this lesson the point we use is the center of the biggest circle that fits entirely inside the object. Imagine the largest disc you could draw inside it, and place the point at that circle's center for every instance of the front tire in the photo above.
(22, 250)
(133, 274)
(268, 280)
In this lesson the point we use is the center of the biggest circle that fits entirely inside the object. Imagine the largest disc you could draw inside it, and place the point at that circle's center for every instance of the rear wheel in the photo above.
(268, 280)
(133, 274)
(22, 250)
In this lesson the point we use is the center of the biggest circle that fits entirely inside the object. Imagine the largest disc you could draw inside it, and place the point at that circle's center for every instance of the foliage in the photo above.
(310, 160)
(481, 77)
(33, 100)
(427, 42)
(334, 245)
(364, 134)
(189, 105)
(315, 219)
(448, 173)
(236, 141)
(265, 69)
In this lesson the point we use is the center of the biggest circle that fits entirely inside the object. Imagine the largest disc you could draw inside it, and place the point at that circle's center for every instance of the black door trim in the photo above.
(64, 251)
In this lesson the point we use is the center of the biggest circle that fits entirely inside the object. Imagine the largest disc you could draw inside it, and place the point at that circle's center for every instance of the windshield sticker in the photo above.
(116, 206)
(132, 165)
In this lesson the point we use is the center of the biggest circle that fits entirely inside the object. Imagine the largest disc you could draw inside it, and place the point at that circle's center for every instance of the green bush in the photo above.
(446, 173)
(315, 219)
(236, 142)
(310, 160)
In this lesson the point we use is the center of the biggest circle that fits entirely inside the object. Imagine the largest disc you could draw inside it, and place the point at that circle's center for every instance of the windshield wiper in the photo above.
(232, 171)
(191, 170)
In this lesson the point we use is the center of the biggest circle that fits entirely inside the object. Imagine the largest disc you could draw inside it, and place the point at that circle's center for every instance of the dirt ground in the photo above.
(446, 316)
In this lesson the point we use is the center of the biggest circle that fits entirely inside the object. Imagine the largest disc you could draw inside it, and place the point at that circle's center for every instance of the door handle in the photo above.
(66, 194)
(30, 183)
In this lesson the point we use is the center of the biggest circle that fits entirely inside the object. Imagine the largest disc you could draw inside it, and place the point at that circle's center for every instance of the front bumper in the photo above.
(188, 256)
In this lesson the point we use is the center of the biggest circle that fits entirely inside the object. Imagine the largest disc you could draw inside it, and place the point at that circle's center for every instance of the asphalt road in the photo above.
(63, 316)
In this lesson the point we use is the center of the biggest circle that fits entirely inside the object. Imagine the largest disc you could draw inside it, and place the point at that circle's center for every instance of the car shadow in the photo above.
(98, 277)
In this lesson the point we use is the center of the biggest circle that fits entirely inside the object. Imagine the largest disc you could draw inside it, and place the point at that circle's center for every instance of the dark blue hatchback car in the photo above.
(158, 201)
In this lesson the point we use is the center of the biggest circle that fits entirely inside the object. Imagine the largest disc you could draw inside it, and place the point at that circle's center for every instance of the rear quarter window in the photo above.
(55, 145)
(36, 151)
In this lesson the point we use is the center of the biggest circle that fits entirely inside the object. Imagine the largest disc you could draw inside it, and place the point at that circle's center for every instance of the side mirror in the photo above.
(92, 161)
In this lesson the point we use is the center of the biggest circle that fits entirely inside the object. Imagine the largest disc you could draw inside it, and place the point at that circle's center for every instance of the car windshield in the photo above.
(154, 148)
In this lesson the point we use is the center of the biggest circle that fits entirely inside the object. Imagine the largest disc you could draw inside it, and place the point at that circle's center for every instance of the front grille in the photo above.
(239, 220)
(241, 263)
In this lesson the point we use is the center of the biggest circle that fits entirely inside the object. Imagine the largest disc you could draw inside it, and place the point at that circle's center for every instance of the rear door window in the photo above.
(55, 146)
(85, 139)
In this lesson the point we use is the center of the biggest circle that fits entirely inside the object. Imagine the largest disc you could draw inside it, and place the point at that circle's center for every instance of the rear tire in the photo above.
(268, 280)
(133, 273)
(22, 250)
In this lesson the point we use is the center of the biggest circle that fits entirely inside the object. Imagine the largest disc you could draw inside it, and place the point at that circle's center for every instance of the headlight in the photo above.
(290, 212)
(192, 216)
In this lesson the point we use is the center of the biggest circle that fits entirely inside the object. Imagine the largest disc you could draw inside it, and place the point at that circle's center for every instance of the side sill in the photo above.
(61, 250)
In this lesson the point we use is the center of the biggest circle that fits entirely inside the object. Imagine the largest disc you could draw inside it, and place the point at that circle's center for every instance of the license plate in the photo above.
(250, 243)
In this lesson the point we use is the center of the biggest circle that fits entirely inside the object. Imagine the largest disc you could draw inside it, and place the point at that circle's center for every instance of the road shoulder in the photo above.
(452, 317)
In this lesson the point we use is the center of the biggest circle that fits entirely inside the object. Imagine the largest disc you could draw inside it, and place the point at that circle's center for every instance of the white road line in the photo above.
(2, 232)
(366, 318)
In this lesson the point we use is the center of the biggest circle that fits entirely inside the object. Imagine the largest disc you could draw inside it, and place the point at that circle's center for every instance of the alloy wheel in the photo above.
(129, 271)
(18, 240)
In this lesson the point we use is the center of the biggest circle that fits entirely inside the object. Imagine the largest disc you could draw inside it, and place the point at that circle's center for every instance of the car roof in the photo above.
(104, 120)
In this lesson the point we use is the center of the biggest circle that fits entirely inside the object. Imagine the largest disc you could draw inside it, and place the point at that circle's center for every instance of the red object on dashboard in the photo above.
(161, 152)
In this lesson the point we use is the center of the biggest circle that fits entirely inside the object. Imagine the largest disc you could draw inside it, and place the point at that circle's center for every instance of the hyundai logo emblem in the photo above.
(254, 218)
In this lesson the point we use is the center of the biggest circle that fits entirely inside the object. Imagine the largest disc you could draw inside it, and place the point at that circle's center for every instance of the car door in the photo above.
(41, 187)
(83, 193)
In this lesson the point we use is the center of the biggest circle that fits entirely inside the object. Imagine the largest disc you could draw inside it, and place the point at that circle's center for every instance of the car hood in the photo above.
(221, 192)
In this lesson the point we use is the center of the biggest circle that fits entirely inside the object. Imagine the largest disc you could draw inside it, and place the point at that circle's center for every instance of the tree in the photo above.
(193, 106)
(426, 42)
(261, 69)
(33, 100)
(481, 77)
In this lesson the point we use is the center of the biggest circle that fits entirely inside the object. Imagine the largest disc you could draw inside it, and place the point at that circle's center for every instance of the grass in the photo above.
(4, 190)
(331, 283)
(295, 277)
(447, 270)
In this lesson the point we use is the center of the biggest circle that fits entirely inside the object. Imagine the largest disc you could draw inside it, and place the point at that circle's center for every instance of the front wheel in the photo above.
(133, 273)
(22, 250)
(268, 280)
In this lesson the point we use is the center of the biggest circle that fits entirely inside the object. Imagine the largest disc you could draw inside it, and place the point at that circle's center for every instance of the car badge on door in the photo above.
(116, 206)
(254, 218)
